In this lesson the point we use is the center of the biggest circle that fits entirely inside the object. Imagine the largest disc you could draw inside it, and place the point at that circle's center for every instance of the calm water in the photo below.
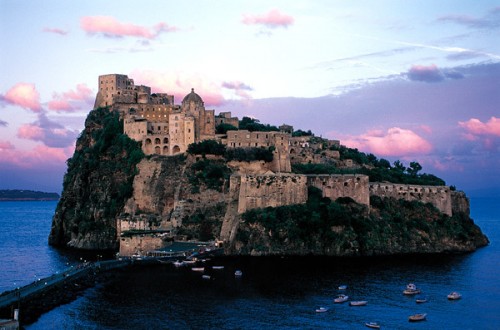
(273, 293)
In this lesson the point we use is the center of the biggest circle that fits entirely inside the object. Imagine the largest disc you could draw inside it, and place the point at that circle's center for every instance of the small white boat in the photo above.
(178, 263)
(421, 300)
(454, 296)
(341, 298)
(238, 273)
(417, 317)
(358, 303)
(373, 325)
(411, 289)
(205, 277)
(342, 287)
(321, 310)
(198, 269)
(217, 267)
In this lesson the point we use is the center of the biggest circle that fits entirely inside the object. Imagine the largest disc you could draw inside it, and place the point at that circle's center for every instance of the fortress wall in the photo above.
(355, 186)
(459, 203)
(140, 244)
(439, 196)
(259, 191)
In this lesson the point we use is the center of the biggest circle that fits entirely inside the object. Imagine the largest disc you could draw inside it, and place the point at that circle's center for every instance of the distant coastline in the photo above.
(27, 195)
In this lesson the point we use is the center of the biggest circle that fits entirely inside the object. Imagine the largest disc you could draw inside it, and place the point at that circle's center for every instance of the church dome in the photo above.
(192, 97)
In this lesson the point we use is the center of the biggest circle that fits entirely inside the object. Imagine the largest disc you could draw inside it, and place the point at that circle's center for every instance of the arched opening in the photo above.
(165, 150)
(148, 141)
(176, 150)
(165, 140)
(157, 141)
(157, 150)
(292, 151)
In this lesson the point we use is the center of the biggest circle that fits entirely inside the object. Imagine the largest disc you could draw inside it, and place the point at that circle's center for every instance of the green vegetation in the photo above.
(249, 154)
(203, 226)
(206, 147)
(300, 132)
(103, 168)
(213, 174)
(254, 125)
(223, 128)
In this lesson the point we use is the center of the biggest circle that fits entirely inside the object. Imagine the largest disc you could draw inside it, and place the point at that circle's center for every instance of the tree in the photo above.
(223, 128)
(414, 168)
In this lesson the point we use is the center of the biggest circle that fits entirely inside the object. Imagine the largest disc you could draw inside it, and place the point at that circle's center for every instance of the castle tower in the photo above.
(113, 87)
(193, 105)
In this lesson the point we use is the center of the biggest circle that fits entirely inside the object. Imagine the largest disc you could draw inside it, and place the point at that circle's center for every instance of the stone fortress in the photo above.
(167, 129)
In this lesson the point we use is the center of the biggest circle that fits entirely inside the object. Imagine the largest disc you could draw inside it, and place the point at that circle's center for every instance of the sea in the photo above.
(272, 293)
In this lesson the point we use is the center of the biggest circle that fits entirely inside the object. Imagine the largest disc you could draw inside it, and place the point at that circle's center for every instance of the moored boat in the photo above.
(411, 289)
(217, 267)
(341, 298)
(417, 317)
(238, 273)
(205, 277)
(358, 303)
(373, 325)
(321, 310)
(421, 300)
(198, 269)
(454, 296)
(342, 287)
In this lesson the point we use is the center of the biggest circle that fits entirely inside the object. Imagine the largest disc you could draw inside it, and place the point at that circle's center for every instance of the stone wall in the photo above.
(259, 191)
(355, 186)
(140, 244)
(439, 196)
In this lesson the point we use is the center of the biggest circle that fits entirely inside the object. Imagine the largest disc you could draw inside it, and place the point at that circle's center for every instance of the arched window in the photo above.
(176, 150)
(157, 150)
(157, 141)
(165, 140)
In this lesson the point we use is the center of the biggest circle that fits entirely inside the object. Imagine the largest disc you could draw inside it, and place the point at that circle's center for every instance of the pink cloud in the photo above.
(426, 128)
(429, 73)
(30, 132)
(180, 85)
(240, 88)
(476, 127)
(395, 142)
(110, 27)
(24, 95)
(4, 145)
(56, 31)
(39, 156)
(272, 19)
(72, 99)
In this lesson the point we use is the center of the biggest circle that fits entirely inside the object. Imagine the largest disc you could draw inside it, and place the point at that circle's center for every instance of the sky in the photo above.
(404, 80)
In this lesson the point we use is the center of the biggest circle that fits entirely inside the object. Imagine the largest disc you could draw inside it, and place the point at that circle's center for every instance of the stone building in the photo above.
(225, 118)
(153, 119)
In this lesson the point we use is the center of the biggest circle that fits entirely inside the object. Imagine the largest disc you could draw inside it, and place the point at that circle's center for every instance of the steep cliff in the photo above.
(96, 185)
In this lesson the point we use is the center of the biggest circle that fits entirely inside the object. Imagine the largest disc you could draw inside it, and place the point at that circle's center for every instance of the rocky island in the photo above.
(147, 172)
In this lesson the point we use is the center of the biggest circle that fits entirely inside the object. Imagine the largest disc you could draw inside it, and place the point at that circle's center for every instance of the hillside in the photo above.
(116, 198)
(27, 195)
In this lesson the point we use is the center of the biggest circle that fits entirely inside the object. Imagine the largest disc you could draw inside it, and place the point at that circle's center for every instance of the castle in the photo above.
(166, 129)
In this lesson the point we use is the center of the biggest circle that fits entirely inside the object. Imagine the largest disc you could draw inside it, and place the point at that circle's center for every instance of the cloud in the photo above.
(475, 127)
(179, 85)
(24, 95)
(81, 97)
(55, 31)
(273, 19)
(50, 133)
(39, 156)
(395, 142)
(3, 123)
(489, 21)
(429, 73)
(240, 88)
(110, 27)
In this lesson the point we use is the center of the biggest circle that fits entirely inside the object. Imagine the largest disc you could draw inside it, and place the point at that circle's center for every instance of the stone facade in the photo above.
(260, 191)
(225, 118)
(355, 186)
(439, 196)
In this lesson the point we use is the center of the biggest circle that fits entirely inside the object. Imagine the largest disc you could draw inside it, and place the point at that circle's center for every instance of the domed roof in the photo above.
(192, 97)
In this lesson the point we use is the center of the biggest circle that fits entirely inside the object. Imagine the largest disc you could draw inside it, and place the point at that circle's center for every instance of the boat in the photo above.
(421, 300)
(411, 289)
(454, 296)
(358, 303)
(340, 298)
(342, 287)
(205, 277)
(417, 317)
(178, 263)
(217, 267)
(198, 269)
(321, 310)
(238, 273)
(373, 325)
